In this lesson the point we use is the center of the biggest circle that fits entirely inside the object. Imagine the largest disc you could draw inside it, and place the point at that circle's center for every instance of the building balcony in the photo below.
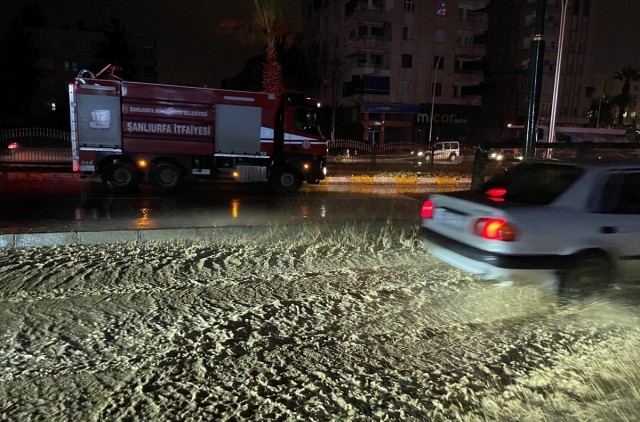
(473, 26)
(369, 43)
(475, 50)
(364, 68)
(469, 100)
(468, 76)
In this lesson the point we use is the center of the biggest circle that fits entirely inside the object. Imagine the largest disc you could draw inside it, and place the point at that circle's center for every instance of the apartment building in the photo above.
(63, 52)
(386, 64)
(399, 70)
(511, 27)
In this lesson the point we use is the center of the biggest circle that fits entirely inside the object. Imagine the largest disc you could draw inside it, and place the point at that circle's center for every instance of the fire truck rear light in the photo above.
(306, 166)
(142, 164)
(495, 229)
(427, 209)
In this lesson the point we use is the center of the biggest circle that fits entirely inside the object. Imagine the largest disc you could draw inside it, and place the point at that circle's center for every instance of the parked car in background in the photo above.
(446, 151)
(574, 228)
(8, 146)
(505, 154)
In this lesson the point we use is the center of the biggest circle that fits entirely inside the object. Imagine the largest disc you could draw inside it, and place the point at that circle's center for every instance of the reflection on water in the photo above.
(143, 221)
(386, 189)
(235, 208)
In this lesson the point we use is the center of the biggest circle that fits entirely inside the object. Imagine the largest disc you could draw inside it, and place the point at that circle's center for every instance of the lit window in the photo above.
(442, 9)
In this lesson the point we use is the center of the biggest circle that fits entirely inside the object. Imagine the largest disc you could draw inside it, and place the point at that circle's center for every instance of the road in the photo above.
(84, 205)
(340, 321)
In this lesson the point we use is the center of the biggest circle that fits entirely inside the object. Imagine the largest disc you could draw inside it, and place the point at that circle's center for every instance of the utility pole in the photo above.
(556, 79)
(535, 83)
(433, 98)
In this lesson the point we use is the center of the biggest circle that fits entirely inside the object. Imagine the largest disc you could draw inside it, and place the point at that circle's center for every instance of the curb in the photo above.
(400, 180)
(332, 180)
(87, 238)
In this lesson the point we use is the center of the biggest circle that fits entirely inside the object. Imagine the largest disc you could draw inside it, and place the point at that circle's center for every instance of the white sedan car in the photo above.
(574, 228)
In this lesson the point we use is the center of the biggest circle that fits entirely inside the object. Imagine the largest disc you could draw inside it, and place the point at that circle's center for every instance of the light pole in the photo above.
(433, 98)
(556, 79)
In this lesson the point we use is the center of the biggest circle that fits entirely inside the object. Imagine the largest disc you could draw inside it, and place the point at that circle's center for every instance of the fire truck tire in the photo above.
(286, 182)
(166, 177)
(121, 177)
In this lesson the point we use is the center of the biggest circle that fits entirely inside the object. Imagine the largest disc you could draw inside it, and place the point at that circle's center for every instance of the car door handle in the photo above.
(608, 229)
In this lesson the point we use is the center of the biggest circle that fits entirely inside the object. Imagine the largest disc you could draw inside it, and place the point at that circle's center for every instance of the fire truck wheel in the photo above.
(286, 182)
(121, 176)
(166, 176)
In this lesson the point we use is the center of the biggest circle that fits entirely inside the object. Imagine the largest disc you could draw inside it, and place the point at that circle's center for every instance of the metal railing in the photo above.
(51, 147)
(35, 145)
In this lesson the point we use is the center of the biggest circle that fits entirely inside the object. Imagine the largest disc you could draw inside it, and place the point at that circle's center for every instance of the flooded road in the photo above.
(84, 205)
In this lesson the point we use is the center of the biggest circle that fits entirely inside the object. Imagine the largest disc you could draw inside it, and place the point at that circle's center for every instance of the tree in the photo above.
(268, 28)
(627, 75)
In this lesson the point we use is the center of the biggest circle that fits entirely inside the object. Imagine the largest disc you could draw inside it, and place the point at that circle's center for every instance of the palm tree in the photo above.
(268, 28)
(627, 75)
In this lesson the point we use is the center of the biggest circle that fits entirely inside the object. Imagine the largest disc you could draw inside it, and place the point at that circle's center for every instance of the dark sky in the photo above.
(191, 49)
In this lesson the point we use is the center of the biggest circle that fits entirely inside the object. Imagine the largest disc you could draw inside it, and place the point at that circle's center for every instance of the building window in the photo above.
(409, 6)
(407, 60)
(148, 52)
(439, 35)
(442, 9)
(404, 88)
(352, 34)
(406, 33)
(591, 92)
(438, 62)
(465, 40)
(70, 66)
(68, 45)
(436, 89)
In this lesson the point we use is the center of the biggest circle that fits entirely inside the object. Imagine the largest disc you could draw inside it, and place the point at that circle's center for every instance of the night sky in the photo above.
(192, 50)
(190, 47)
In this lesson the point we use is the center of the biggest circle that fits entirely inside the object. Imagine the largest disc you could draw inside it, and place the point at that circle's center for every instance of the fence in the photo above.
(345, 150)
(34, 146)
(45, 146)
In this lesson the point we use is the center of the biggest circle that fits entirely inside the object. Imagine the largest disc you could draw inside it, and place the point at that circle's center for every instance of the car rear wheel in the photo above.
(587, 273)
(452, 158)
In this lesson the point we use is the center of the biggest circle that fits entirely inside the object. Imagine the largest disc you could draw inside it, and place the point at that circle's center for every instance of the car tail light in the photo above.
(12, 145)
(495, 229)
(427, 209)
(496, 194)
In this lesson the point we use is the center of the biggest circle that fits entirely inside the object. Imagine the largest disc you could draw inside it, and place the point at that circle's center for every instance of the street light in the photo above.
(556, 79)
(433, 98)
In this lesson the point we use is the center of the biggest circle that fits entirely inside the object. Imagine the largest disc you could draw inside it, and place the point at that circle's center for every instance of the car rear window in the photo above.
(535, 183)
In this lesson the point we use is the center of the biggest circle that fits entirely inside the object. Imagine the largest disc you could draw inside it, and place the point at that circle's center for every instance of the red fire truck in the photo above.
(128, 132)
